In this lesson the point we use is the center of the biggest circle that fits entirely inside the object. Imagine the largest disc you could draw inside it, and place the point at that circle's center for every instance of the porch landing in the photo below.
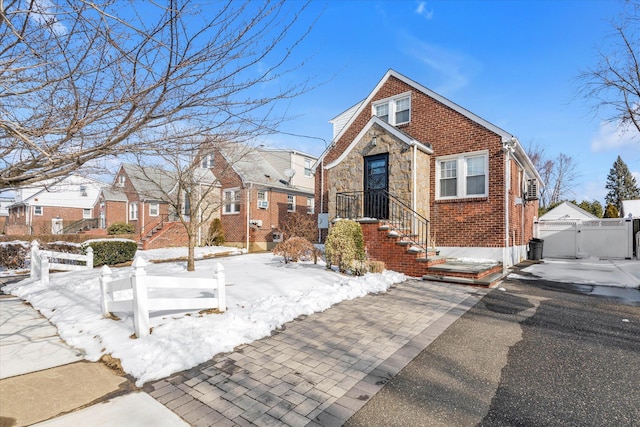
(456, 271)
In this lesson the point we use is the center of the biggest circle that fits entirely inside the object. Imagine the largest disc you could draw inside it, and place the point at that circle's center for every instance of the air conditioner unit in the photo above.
(263, 204)
(532, 190)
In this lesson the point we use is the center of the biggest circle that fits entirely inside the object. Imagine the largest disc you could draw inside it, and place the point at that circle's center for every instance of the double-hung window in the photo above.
(133, 211)
(231, 201)
(207, 161)
(462, 176)
(291, 203)
(154, 209)
(395, 110)
(307, 167)
(37, 210)
(87, 214)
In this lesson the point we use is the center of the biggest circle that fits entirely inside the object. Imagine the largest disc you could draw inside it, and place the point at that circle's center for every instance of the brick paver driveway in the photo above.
(319, 369)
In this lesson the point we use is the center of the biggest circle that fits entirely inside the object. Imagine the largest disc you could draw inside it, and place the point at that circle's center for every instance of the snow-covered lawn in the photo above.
(262, 294)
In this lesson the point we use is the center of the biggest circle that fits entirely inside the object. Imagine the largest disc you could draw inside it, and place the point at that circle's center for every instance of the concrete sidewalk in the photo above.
(42, 378)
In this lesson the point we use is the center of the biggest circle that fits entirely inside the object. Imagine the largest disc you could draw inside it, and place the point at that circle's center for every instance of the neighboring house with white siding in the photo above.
(55, 206)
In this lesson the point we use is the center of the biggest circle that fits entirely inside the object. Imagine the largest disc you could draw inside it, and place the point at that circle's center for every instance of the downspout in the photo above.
(414, 198)
(505, 255)
(321, 196)
(141, 214)
(248, 211)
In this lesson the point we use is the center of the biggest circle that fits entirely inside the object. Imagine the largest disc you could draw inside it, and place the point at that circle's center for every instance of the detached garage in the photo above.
(571, 232)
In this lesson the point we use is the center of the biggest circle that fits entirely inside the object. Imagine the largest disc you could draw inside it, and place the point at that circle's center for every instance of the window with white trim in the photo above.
(291, 203)
(231, 201)
(207, 161)
(133, 211)
(87, 214)
(37, 210)
(154, 209)
(263, 201)
(395, 110)
(307, 167)
(462, 176)
(310, 205)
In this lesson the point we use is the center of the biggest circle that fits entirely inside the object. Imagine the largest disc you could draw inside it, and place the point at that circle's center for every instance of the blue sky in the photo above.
(513, 63)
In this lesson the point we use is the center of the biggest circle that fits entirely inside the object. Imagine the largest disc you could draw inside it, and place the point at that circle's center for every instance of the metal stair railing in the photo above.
(83, 224)
(382, 205)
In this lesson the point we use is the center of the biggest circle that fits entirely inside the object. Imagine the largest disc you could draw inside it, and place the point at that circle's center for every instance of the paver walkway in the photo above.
(318, 370)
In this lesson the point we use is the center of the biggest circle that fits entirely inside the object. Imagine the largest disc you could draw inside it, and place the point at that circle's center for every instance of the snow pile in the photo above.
(262, 295)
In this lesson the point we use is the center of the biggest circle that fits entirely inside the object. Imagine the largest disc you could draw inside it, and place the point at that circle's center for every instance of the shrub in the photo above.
(13, 254)
(300, 224)
(111, 252)
(296, 248)
(344, 245)
(216, 234)
(120, 228)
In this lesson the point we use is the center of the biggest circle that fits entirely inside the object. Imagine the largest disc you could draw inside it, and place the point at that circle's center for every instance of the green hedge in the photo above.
(120, 228)
(111, 252)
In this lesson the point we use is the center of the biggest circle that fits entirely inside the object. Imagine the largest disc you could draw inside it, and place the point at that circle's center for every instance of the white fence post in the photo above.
(140, 298)
(220, 282)
(44, 270)
(35, 261)
(105, 279)
(90, 258)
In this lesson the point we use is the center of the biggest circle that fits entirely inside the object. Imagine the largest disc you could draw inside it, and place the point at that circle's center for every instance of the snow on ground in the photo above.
(618, 273)
(262, 294)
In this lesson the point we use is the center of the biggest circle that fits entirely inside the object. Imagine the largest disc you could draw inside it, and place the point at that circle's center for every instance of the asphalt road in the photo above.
(530, 353)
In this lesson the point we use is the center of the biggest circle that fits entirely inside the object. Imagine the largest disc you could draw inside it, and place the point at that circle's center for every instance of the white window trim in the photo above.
(311, 207)
(84, 214)
(236, 203)
(263, 199)
(307, 168)
(151, 208)
(133, 211)
(35, 211)
(392, 102)
(293, 202)
(461, 177)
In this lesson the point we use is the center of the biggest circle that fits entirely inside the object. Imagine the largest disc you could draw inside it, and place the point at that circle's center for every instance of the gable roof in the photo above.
(353, 112)
(61, 192)
(253, 168)
(567, 211)
(402, 136)
(151, 183)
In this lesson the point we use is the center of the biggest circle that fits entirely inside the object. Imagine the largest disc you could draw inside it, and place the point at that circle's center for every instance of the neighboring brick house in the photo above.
(405, 146)
(259, 189)
(54, 207)
(141, 197)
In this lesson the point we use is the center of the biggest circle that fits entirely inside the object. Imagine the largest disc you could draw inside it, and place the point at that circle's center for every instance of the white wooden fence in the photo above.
(604, 238)
(43, 261)
(140, 303)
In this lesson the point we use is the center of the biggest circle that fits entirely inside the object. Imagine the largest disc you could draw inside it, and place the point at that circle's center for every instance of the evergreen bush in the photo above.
(118, 228)
(111, 252)
(216, 233)
(344, 245)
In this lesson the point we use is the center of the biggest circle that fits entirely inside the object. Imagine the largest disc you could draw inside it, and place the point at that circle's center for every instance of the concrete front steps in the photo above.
(400, 254)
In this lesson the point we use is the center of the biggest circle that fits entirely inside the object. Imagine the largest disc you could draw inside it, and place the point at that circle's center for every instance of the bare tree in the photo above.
(613, 84)
(179, 174)
(558, 175)
(81, 79)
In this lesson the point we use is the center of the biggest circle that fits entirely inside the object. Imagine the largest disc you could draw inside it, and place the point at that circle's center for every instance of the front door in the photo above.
(376, 182)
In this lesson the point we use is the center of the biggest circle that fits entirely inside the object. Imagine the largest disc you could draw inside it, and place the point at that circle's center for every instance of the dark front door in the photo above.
(376, 181)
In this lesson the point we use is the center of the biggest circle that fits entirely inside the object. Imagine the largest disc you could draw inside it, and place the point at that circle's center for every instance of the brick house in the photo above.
(140, 196)
(58, 206)
(416, 166)
(259, 189)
